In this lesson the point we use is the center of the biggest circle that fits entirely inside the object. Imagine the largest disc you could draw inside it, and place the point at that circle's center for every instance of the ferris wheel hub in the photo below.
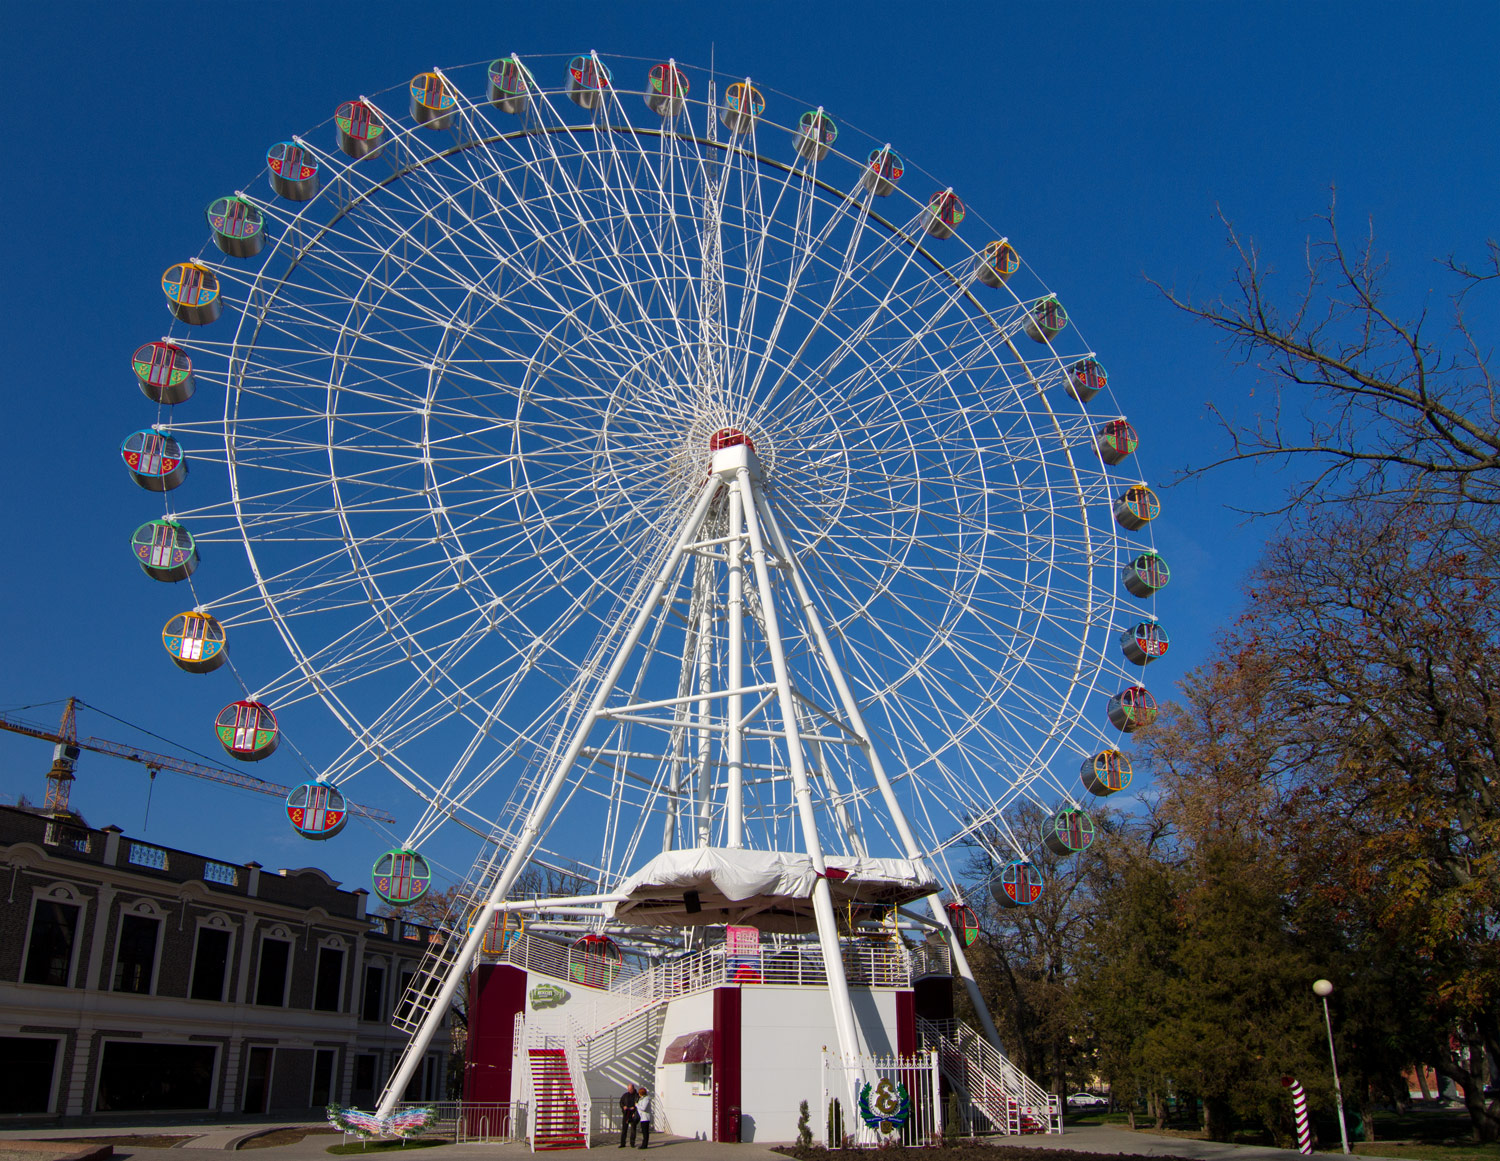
(729, 458)
(729, 437)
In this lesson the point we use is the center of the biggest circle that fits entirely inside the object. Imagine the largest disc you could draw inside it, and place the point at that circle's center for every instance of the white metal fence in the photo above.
(475, 1120)
(901, 1094)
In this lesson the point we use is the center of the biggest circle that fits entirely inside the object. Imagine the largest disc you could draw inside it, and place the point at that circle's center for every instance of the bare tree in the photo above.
(1382, 409)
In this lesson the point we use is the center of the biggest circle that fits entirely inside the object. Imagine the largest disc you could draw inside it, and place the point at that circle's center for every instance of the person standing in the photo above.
(643, 1110)
(628, 1117)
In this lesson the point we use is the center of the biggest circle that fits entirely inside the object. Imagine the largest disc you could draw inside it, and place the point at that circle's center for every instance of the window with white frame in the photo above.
(328, 987)
(372, 1002)
(29, 1067)
(137, 949)
(322, 1078)
(274, 971)
(52, 937)
(211, 952)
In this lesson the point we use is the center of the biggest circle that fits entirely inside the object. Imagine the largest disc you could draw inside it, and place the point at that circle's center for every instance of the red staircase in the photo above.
(555, 1107)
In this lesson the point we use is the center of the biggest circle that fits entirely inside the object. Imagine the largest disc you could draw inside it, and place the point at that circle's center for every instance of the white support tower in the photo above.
(730, 522)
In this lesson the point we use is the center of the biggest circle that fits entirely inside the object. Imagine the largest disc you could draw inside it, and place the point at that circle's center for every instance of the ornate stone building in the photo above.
(139, 979)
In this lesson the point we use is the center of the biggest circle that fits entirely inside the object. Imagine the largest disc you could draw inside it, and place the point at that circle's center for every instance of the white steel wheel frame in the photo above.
(469, 390)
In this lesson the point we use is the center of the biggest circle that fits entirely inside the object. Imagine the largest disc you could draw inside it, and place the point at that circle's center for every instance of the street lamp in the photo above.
(1323, 989)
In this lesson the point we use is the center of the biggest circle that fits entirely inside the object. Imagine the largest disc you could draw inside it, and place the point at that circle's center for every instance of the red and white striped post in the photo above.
(1299, 1113)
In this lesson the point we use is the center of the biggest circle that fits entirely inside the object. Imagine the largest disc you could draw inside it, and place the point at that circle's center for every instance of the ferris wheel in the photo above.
(635, 461)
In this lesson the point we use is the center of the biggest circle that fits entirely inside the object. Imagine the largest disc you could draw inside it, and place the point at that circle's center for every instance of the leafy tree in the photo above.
(1351, 719)
(1026, 959)
(1125, 969)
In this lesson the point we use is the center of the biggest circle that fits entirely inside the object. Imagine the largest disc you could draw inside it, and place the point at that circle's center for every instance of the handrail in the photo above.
(572, 1053)
(569, 1041)
(967, 1052)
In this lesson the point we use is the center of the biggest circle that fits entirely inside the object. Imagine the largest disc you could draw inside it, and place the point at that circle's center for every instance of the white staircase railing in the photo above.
(568, 1037)
(1003, 1095)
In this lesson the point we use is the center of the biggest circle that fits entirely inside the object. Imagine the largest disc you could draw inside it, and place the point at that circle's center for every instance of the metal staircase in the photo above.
(997, 1096)
(557, 1122)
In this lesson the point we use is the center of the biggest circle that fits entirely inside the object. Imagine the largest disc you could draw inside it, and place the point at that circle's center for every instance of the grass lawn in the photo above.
(1462, 1151)
(1423, 1134)
(288, 1136)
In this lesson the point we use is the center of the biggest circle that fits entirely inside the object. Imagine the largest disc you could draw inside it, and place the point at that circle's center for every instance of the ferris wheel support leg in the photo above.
(536, 819)
(822, 897)
(704, 780)
(814, 619)
(734, 805)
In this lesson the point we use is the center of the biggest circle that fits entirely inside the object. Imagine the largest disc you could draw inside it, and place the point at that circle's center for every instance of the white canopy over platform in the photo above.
(769, 890)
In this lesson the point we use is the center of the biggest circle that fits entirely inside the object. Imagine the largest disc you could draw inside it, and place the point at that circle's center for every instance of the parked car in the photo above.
(1087, 1100)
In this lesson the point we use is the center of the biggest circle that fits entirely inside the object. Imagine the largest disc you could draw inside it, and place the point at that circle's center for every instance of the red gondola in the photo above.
(666, 90)
(164, 372)
(248, 730)
(361, 131)
(964, 922)
(944, 214)
(1131, 709)
(1116, 440)
(594, 961)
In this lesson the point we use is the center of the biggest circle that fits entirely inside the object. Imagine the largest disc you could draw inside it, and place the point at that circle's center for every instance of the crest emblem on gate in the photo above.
(885, 1106)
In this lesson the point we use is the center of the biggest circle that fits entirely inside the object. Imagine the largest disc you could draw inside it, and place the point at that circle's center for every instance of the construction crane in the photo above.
(68, 746)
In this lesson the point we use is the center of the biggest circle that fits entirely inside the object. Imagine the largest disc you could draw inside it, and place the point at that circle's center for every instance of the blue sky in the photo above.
(1105, 136)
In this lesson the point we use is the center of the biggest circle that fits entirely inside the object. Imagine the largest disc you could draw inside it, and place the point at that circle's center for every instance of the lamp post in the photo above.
(1323, 989)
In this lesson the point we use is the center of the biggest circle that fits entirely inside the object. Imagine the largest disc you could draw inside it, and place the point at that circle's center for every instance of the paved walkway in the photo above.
(1118, 1139)
(1107, 1139)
